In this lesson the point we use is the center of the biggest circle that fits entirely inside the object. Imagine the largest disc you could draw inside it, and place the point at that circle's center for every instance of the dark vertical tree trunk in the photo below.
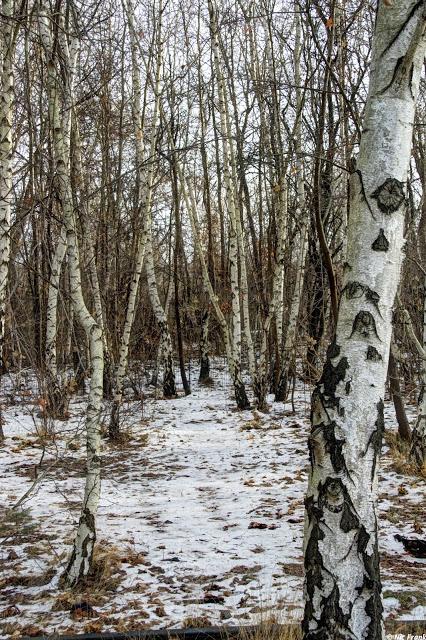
(204, 349)
(404, 430)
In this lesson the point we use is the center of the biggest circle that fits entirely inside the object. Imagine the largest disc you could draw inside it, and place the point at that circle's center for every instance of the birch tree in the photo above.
(59, 87)
(288, 351)
(342, 586)
(7, 46)
(144, 248)
(235, 239)
(56, 395)
(138, 109)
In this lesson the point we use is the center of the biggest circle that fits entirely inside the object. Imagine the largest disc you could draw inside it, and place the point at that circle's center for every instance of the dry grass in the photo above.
(270, 629)
(399, 452)
(17, 526)
(405, 627)
(255, 423)
(196, 622)
(106, 575)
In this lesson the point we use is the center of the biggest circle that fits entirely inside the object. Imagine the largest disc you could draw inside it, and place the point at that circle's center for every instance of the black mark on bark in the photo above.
(390, 195)
(381, 243)
(323, 435)
(355, 289)
(365, 325)
(373, 354)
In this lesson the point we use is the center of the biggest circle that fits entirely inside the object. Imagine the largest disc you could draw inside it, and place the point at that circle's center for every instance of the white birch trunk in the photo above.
(275, 306)
(146, 180)
(279, 287)
(342, 588)
(418, 436)
(160, 355)
(57, 396)
(52, 304)
(83, 178)
(57, 400)
(233, 364)
(288, 353)
(80, 561)
(169, 385)
(234, 241)
(6, 149)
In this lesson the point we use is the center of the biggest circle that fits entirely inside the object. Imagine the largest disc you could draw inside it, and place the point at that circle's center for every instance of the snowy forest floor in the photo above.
(200, 521)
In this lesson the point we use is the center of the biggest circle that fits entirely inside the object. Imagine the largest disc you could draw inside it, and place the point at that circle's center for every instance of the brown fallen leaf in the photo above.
(9, 611)
(211, 598)
(31, 631)
(160, 611)
(258, 525)
(81, 610)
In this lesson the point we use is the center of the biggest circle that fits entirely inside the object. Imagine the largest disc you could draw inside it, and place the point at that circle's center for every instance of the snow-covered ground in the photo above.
(201, 517)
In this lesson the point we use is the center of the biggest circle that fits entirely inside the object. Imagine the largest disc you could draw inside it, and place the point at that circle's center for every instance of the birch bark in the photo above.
(57, 403)
(288, 354)
(81, 558)
(342, 587)
(82, 178)
(233, 364)
(6, 149)
(169, 384)
(235, 232)
(146, 181)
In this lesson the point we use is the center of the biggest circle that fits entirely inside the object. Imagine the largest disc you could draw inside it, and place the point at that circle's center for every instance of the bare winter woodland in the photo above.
(212, 313)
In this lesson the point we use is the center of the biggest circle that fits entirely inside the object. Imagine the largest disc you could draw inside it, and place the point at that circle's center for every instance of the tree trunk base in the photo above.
(108, 377)
(204, 370)
(259, 389)
(281, 390)
(169, 384)
(81, 560)
(418, 444)
(241, 395)
(114, 423)
(57, 401)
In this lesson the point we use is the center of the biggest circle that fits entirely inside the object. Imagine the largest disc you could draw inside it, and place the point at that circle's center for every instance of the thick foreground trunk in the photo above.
(342, 588)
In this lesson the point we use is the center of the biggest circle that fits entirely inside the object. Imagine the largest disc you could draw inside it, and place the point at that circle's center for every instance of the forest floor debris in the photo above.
(201, 517)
